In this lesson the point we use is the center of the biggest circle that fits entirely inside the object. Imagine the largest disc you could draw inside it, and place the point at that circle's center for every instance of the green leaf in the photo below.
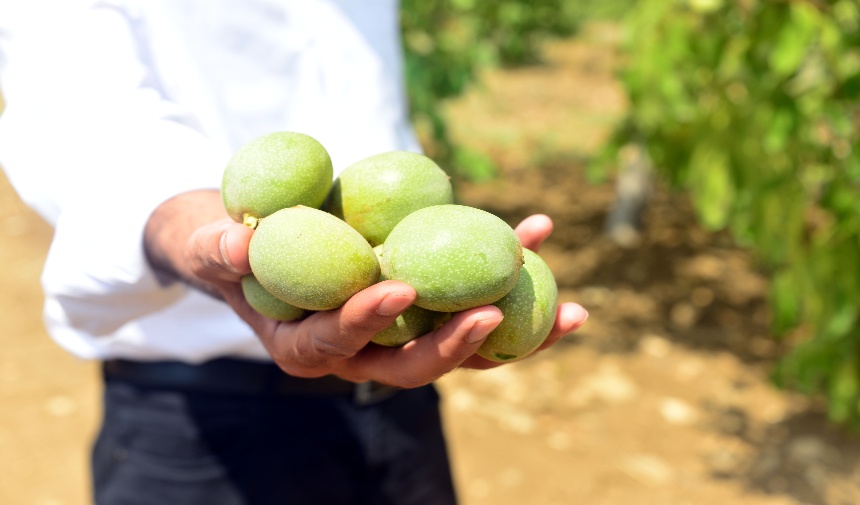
(785, 301)
(794, 41)
(711, 185)
(849, 89)
(755, 112)
(706, 6)
(844, 390)
(474, 165)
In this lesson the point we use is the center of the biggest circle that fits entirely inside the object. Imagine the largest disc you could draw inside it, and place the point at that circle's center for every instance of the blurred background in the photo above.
(700, 161)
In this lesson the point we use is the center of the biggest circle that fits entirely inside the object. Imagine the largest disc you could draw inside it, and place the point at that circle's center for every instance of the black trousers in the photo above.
(167, 444)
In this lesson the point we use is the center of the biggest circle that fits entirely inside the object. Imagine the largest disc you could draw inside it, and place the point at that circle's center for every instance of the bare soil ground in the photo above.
(662, 398)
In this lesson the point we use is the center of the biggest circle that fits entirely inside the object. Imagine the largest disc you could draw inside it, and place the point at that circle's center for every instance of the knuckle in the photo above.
(366, 324)
(322, 350)
(301, 371)
(407, 380)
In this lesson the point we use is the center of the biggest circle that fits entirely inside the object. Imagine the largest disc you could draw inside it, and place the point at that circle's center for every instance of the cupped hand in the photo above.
(190, 238)
(337, 341)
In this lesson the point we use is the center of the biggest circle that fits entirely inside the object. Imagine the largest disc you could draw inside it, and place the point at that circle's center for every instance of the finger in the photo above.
(533, 230)
(219, 251)
(431, 356)
(234, 246)
(318, 343)
(569, 318)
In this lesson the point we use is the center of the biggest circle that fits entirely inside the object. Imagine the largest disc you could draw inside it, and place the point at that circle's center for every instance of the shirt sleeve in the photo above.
(91, 142)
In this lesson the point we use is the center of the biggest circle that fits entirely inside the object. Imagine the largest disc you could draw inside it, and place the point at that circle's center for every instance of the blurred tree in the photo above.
(447, 42)
(753, 107)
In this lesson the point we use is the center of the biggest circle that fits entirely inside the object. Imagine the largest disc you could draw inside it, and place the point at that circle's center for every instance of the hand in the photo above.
(190, 237)
(336, 341)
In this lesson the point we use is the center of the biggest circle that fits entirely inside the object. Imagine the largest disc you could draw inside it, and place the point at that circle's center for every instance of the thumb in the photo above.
(219, 251)
(233, 243)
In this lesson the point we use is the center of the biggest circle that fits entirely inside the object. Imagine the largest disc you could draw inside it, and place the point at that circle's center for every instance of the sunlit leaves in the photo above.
(753, 106)
(711, 185)
(447, 42)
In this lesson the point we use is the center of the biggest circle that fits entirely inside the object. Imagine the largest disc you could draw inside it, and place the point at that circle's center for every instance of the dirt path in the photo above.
(48, 398)
(661, 399)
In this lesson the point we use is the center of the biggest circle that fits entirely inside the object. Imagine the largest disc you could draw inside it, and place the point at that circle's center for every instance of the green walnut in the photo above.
(273, 172)
(374, 194)
(411, 324)
(530, 311)
(455, 256)
(267, 304)
(311, 259)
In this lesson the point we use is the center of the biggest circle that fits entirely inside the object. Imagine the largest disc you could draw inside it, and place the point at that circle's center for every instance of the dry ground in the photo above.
(662, 398)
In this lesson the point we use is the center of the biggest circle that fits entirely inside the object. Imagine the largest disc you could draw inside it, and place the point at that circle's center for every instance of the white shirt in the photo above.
(114, 106)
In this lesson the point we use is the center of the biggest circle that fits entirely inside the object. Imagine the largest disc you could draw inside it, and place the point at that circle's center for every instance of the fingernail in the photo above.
(577, 318)
(393, 304)
(481, 330)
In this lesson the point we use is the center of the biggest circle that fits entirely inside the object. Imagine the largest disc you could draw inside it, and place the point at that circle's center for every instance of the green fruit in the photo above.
(530, 311)
(409, 325)
(273, 172)
(265, 303)
(456, 257)
(374, 194)
(311, 259)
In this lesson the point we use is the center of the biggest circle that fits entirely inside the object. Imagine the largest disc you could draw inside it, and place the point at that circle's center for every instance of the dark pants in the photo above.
(170, 446)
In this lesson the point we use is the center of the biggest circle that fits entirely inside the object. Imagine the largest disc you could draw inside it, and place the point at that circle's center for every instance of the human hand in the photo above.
(346, 352)
(210, 251)
(191, 238)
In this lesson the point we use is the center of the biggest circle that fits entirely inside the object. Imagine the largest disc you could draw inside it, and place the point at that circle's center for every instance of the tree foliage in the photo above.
(753, 107)
(446, 44)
